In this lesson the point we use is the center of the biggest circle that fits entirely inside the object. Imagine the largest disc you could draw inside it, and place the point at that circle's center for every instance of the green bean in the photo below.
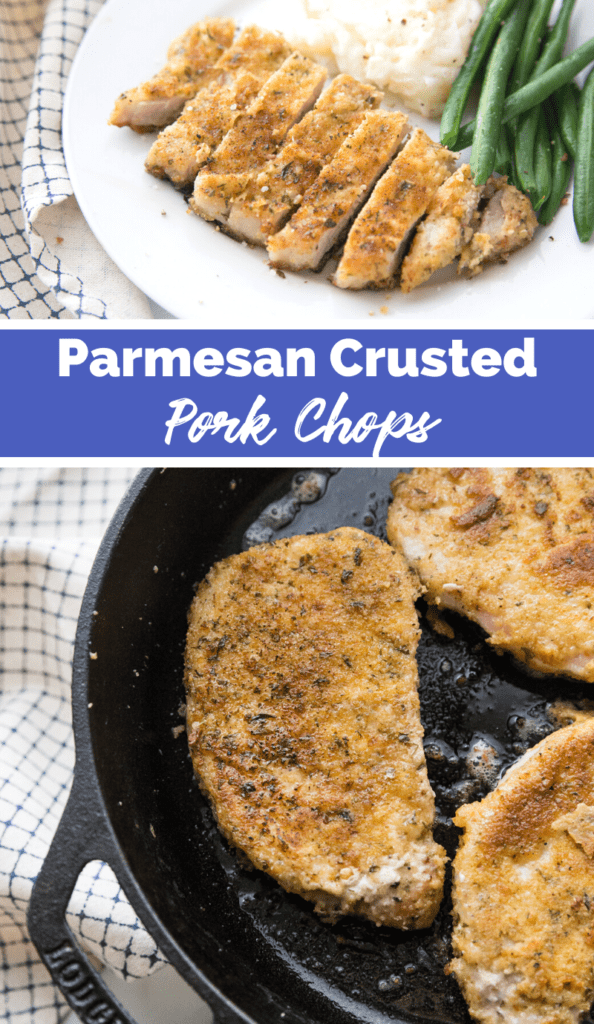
(495, 12)
(566, 103)
(530, 45)
(553, 47)
(524, 149)
(561, 176)
(503, 160)
(537, 90)
(543, 164)
(488, 118)
(583, 185)
(512, 175)
(551, 53)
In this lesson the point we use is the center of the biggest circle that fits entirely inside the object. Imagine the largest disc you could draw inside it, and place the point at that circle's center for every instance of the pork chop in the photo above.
(258, 133)
(190, 62)
(304, 728)
(523, 934)
(448, 227)
(182, 148)
(508, 223)
(337, 195)
(378, 238)
(273, 194)
(513, 549)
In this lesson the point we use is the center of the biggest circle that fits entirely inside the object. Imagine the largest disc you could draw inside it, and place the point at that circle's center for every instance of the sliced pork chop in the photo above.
(524, 888)
(508, 223)
(378, 238)
(330, 204)
(448, 227)
(182, 148)
(190, 62)
(257, 135)
(513, 549)
(304, 728)
(273, 194)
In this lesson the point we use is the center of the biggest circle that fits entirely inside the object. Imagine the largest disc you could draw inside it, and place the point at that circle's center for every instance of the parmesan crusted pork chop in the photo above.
(183, 147)
(447, 228)
(304, 728)
(377, 240)
(339, 192)
(512, 549)
(523, 935)
(278, 189)
(189, 67)
(508, 223)
(257, 134)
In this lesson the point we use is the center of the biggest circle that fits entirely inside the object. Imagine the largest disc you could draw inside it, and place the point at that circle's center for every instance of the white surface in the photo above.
(198, 273)
(162, 997)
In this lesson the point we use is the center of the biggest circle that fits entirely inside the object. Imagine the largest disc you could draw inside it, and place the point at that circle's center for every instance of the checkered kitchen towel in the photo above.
(50, 262)
(51, 522)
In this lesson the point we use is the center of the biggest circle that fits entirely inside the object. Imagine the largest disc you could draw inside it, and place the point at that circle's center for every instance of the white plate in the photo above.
(200, 274)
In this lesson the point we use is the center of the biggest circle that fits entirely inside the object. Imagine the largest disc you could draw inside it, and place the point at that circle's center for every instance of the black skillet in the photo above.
(254, 952)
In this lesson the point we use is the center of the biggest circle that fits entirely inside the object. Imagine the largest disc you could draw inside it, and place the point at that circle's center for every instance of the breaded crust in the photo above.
(272, 194)
(330, 204)
(190, 62)
(512, 549)
(447, 228)
(508, 223)
(304, 727)
(524, 888)
(257, 134)
(377, 240)
(181, 149)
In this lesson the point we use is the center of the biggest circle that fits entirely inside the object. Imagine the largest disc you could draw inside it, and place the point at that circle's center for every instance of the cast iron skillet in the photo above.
(254, 952)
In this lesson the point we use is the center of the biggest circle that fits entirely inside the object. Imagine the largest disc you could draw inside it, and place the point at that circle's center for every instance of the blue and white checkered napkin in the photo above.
(51, 522)
(51, 265)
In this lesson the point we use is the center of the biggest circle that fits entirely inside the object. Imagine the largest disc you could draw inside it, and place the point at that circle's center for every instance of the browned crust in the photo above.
(523, 934)
(555, 778)
(183, 147)
(572, 565)
(272, 195)
(303, 714)
(374, 247)
(257, 135)
(451, 219)
(508, 223)
(190, 62)
(479, 513)
(338, 193)
(511, 548)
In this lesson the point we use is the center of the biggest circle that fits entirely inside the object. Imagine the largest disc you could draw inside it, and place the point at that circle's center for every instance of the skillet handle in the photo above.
(81, 837)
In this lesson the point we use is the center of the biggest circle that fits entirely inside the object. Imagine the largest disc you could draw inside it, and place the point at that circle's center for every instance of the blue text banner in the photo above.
(332, 394)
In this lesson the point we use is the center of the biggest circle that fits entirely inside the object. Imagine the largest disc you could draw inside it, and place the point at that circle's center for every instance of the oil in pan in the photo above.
(480, 712)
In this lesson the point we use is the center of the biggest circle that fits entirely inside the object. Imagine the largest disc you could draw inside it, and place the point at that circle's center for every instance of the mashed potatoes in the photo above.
(412, 48)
